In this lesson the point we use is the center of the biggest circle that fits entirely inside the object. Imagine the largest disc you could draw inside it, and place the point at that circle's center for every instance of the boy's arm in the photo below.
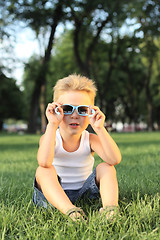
(46, 149)
(102, 143)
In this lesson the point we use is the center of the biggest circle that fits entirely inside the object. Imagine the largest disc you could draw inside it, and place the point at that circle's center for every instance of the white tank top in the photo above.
(73, 167)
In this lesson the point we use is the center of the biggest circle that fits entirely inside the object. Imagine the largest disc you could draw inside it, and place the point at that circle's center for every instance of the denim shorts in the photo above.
(89, 190)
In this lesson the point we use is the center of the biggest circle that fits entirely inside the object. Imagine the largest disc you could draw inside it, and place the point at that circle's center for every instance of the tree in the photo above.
(11, 99)
(156, 85)
(40, 81)
(100, 50)
(31, 71)
(7, 39)
(132, 84)
(93, 22)
(38, 15)
(148, 16)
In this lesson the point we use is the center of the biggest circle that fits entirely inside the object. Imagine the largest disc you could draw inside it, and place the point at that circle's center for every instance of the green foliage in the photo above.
(11, 99)
(34, 13)
(138, 177)
(31, 72)
(114, 42)
(62, 62)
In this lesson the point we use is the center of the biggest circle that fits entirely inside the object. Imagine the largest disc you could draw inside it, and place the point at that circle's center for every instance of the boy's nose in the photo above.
(75, 113)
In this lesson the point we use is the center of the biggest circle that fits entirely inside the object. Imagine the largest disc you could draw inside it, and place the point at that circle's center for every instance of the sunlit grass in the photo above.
(139, 186)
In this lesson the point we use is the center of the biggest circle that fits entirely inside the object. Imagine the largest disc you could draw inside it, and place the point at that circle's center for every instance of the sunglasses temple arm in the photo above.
(92, 113)
(56, 111)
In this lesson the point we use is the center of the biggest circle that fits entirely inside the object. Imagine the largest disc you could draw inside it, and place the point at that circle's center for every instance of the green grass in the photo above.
(139, 186)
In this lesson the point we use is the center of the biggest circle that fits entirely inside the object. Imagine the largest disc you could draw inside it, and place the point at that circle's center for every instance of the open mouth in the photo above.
(74, 124)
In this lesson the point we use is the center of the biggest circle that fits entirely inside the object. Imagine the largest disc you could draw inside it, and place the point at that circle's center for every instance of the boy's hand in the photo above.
(97, 120)
(51, 114)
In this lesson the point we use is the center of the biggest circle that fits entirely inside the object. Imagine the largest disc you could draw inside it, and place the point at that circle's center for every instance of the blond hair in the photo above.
(75, 82)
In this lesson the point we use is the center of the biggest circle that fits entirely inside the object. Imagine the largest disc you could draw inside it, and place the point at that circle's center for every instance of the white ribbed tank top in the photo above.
(73, 167)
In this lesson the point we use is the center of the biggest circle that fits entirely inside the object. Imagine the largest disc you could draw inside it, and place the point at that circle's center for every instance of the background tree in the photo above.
(131, 78)
(31, 72)
(93, 22)
(148, 16)
(156, 85)
(7, 39)
(11, 99)
(113, 42)
(39, 15)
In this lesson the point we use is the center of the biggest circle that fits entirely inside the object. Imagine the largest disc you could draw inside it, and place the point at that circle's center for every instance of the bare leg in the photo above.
(48, 182)
(107, 180)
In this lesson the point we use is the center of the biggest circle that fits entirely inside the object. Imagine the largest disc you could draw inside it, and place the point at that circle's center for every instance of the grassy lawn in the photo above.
(139, 185)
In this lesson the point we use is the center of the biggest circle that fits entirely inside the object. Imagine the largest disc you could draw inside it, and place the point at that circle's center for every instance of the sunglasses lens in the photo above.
(83, 110)
(67, 109)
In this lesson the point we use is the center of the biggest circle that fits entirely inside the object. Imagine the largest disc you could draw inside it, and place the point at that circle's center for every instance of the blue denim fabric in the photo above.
(88, 190)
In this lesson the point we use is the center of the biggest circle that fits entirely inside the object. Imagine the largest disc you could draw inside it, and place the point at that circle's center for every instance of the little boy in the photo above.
(65, 154)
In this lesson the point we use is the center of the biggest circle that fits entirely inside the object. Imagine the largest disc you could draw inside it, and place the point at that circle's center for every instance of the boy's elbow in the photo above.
(44, 164)
(118, 159)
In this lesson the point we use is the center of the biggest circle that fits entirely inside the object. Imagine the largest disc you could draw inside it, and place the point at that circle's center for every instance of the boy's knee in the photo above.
(104, 168)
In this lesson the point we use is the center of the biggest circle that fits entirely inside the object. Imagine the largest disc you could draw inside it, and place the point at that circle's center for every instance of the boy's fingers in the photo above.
(90, 111)
(59, 109)
(99, 115)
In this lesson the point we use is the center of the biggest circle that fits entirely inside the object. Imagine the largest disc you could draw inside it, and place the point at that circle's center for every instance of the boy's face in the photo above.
(75, 123)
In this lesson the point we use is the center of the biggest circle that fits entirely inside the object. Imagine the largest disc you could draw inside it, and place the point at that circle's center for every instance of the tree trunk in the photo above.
(42, 108)
(1, 125)
(84, 65)
(148, 96)
(41, 79)
(32, 123)
(149, 118)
